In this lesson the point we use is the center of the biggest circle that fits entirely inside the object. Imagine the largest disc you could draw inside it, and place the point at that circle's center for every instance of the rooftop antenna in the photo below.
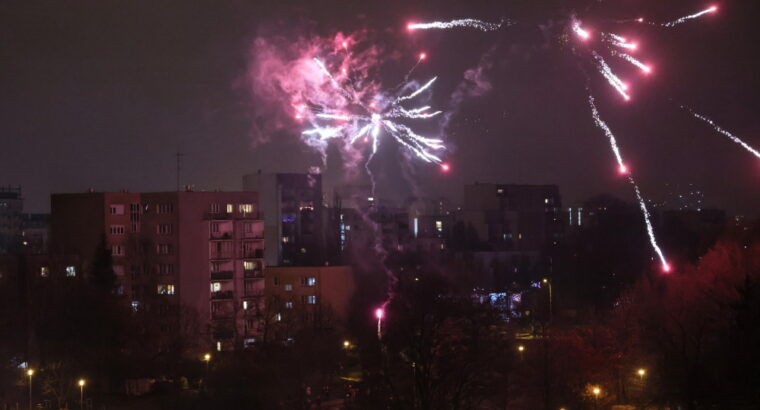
(179, 167)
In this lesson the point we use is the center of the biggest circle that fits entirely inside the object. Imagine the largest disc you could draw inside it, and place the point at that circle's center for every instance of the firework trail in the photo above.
(622, 169)
(614, 80)
(445, 25)
(717, 128)
(610, 136)
(648, 222)
(631, 59)
(684, 19)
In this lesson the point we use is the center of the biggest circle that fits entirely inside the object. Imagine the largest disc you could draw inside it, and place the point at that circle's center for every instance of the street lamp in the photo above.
(207, 359)
(346, 344)
(546, 281)
(81, 393)
(30, 373)
(642, 373)
(520, 350)
(597, 391)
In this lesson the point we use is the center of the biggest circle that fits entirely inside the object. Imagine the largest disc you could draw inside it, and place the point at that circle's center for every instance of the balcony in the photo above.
(220, 255)
(226, 275)
(253, 254)
(223, 294)
(218, 236)
(230, 215)
(254, 274)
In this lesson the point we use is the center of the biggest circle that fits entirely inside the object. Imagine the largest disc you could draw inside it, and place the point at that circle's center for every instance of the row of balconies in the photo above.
(252, 254)
(228, 275)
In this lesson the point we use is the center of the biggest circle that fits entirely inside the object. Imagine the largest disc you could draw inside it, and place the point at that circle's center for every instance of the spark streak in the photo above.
(684, 19)
(717, 128)
(650, 230)
(610, 136)
(611, 78)
(445, 25)
(633, 60)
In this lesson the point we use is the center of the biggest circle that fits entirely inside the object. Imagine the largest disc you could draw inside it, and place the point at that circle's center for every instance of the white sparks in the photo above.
(610, 136)
(684, 19)
(445, 25)
(631, 59)
(717, 128)
(585, 35)
(611, 78)
(650, 230)
(417, 91)
(372, 122)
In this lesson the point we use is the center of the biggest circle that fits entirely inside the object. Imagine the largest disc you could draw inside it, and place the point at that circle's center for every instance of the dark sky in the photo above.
(103, 94)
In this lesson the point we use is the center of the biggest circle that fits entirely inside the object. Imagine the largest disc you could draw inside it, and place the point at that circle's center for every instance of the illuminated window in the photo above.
(310, 300)
(308, 281)
(245, 208)
(288, 287)
(165, 289)
(288, 305)
(439, 226)
(44, 271)
(230, 208)
(218, 346)
(135, 305)
(216, 286)
(71, 271)
(245, 305)
(249, 265)
(116, 209)
(278, 317)
(546, 200)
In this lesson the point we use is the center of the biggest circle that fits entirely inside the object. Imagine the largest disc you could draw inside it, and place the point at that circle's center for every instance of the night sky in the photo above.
(103, 94)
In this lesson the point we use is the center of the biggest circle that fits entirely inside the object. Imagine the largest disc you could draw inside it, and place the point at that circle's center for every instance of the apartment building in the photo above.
(192, 256)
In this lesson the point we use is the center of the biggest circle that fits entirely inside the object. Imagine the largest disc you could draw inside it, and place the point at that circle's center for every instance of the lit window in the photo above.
(44, 271)
(71, 271)
(216, 286)
(245, 305)
(245, 208)
(135, 305)
(230, 208)
(288, 287)
(546, 200)
(116, 209)
(439, 226)
(311, 299)
(218, 346)
(288, 305)
(278, 317)
(165, 289)
(249, 265)
(308, 281)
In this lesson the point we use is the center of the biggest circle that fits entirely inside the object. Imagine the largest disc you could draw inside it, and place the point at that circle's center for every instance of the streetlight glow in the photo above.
(207, 357)
(520, 348)
(642, 372)
(30, 372)
(81, 382)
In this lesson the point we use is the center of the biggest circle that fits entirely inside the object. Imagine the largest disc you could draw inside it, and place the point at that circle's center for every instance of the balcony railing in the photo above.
(253, 274)
(221, 236)
(230, 215)
(253, 254)
(225, 275)
(220, 255)
(223, 294)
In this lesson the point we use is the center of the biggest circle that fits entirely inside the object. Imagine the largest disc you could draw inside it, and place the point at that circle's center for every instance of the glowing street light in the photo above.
(597, 391)
(81, 393)
(642, 373)
(30, 373)
(346, 344)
